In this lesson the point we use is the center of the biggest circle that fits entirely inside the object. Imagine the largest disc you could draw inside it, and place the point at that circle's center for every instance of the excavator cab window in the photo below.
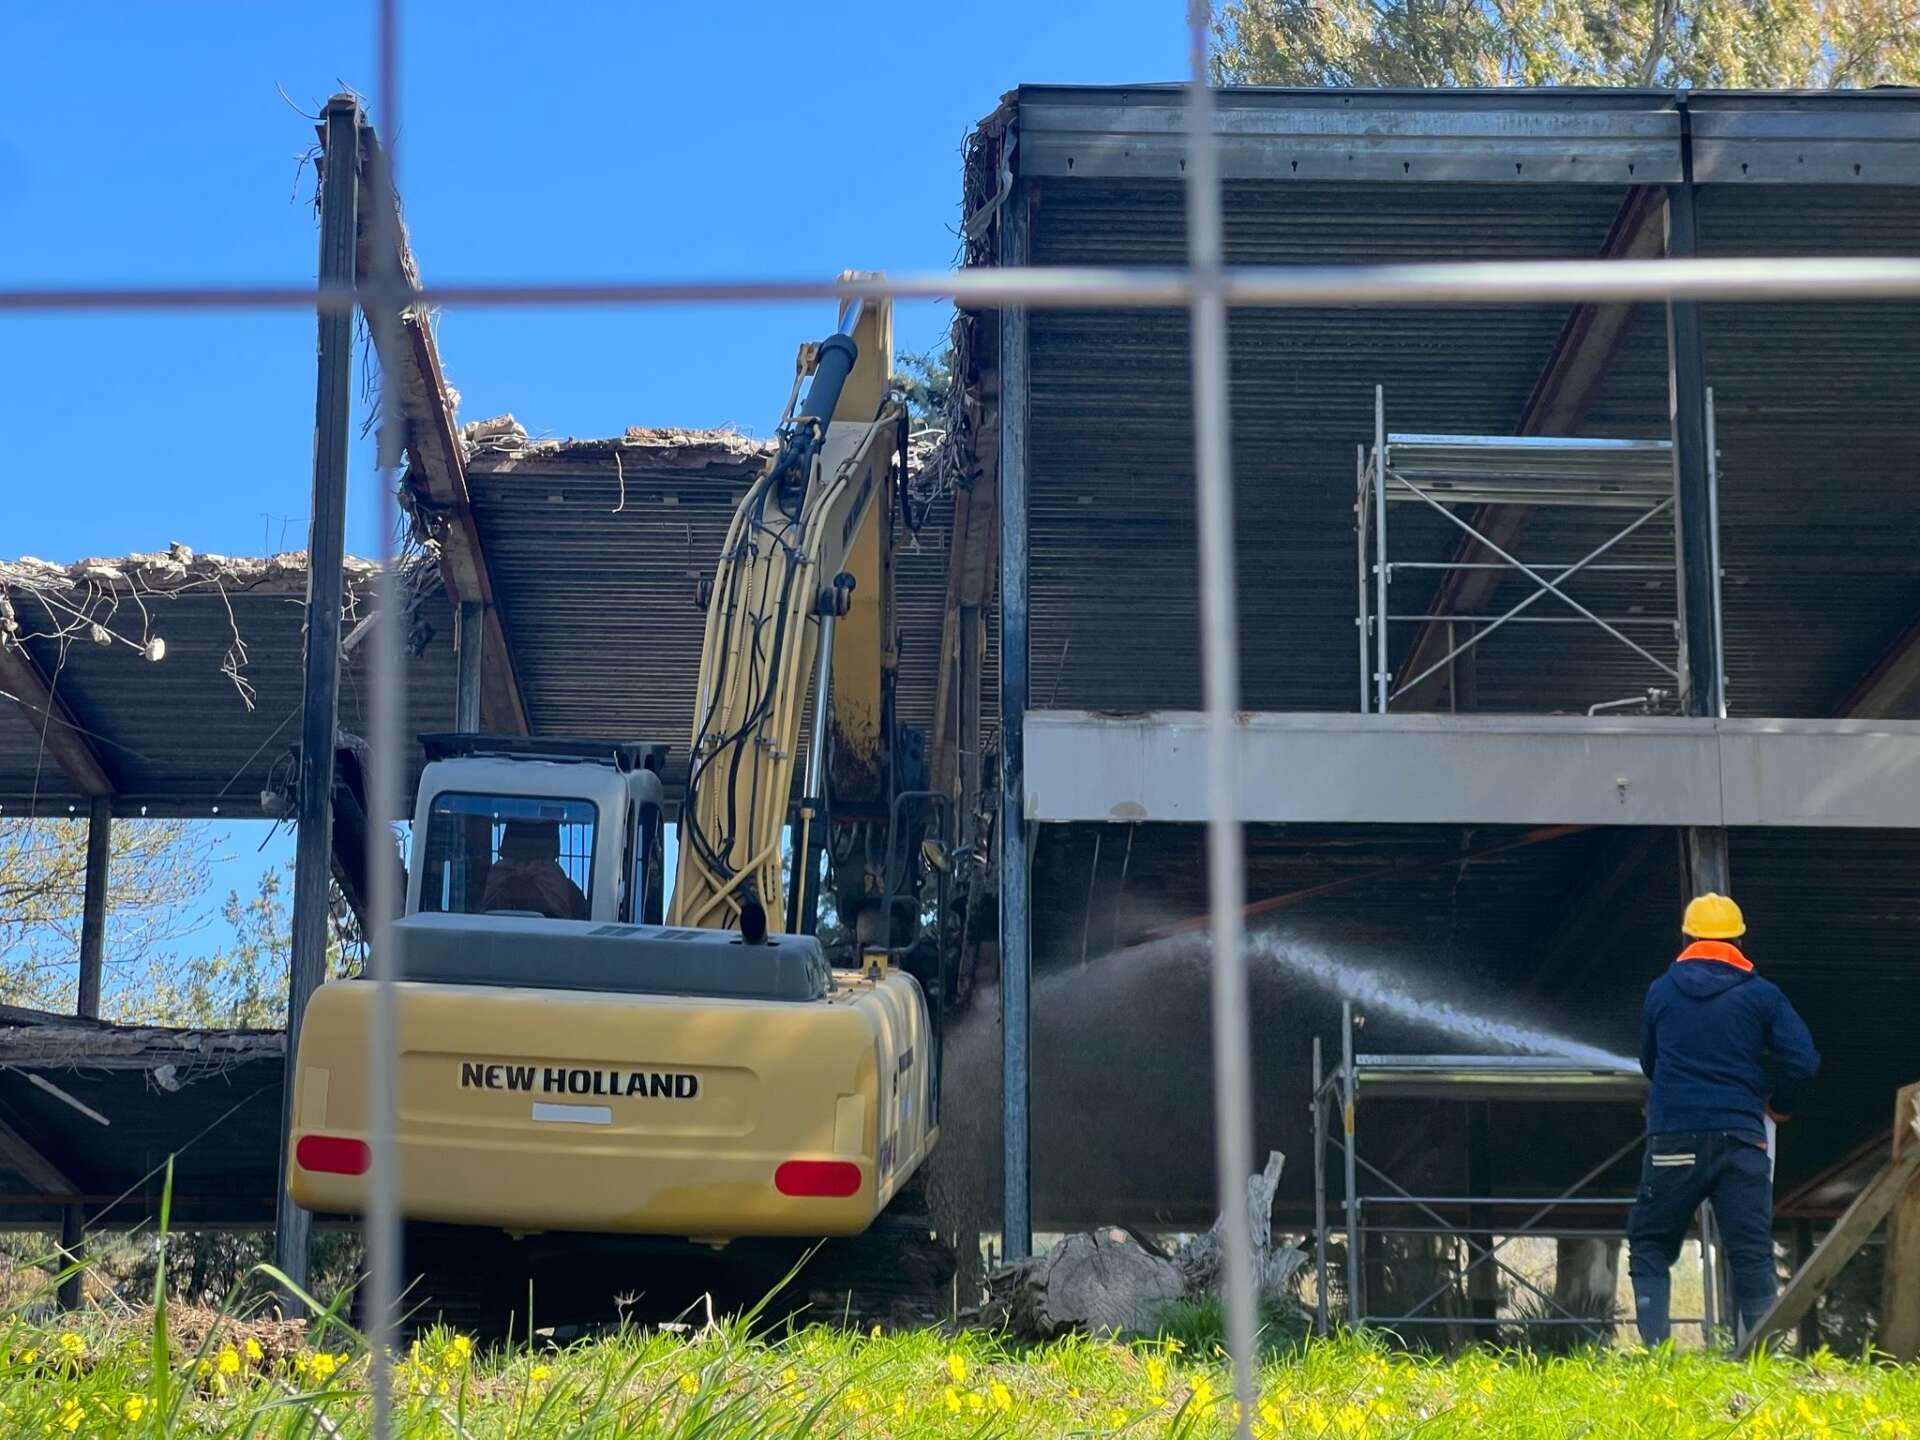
(509, 855)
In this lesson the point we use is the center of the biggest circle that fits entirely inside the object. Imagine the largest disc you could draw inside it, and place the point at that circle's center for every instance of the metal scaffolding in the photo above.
(1375, 1204)
(1632, 479)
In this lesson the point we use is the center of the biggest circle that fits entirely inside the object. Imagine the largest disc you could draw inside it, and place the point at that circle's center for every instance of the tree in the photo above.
(1815, 44)
(923, 378)
(242, 985)
(156, 869)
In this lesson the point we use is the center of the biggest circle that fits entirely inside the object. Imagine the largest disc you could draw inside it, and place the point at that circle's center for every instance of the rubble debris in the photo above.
(503, 438)
(166, 574)
(1112, 1281)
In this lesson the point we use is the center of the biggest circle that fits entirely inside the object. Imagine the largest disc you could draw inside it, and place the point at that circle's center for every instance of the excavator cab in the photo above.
(541, 828)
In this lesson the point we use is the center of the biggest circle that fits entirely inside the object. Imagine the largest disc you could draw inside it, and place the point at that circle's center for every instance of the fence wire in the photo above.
(387, 772)
(1220, 672)
(1206, 288)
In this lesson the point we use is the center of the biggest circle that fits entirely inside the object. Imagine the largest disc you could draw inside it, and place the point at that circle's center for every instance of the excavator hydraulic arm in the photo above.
(790, 572)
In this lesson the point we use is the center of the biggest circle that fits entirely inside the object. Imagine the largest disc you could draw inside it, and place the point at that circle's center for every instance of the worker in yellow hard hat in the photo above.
(1724, 1053)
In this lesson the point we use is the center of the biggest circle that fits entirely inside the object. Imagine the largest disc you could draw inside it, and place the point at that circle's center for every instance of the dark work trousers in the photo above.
(1680, 1171)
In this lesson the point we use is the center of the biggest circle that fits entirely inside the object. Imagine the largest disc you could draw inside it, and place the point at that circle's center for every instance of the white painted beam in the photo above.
(1481, 770)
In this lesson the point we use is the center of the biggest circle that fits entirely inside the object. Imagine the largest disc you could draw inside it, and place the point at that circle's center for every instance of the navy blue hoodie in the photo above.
(1720, 1044)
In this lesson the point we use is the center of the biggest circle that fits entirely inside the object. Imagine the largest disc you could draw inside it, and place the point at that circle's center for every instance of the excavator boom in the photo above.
(782, 583)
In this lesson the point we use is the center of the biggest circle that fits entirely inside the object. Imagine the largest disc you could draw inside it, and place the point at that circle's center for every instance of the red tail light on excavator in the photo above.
(333, 1155)
(825, 1179)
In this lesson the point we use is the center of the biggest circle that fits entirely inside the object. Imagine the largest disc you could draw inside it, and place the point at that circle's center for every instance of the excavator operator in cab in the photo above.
(527, 874)
(1725, 1055)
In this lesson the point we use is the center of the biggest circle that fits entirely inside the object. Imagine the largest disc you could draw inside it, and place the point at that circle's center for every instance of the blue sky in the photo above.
(150, 143)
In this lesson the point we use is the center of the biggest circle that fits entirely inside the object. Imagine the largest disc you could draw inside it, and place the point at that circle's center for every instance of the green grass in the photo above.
(166, 1371)
(96, 1376)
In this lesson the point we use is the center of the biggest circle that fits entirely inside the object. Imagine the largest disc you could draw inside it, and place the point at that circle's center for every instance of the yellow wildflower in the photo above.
(1117, 1418)
(71, 1415)
(1202, 1392)
(134, 1406)
(953, 1400)
(689, 1385)
(957, 1367)
(974, 1402)
(789, 1375)
(1174, 1347)
(1156, 1376)
(1350, 1419)
(229, 1361)
(1002, 1397)
(462, 1347)
(324, 1365)
(72, 1344)
(853, 1400)
(253, 1351)
(1073, 1392)
(875, 1333)
(540, 1374)
(27, 1357)
(899, 1408)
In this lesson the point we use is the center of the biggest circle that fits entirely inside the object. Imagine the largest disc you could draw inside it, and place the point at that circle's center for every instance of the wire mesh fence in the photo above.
(1206, 288)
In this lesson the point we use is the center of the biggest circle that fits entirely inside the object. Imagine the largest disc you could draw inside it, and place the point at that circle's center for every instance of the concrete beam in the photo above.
(1565, 391)
(22, 682)
(1481, 770)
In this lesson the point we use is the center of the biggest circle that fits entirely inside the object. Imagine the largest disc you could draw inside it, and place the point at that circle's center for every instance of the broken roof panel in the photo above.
(184, 673)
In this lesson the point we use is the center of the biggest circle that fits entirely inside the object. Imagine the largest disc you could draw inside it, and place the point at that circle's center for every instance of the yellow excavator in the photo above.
(568, 1066)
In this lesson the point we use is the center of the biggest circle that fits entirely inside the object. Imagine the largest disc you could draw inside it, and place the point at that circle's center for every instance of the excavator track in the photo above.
(494, 1285)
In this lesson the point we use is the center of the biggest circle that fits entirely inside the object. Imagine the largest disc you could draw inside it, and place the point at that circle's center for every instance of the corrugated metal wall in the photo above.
(1114, 596)
(1814, 407)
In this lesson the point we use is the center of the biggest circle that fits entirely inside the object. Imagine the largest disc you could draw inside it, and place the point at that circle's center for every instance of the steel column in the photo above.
(1706, 849)
(93, 938)
(93, 921)
(469, 656)
(72, 1243)
(326, 546)
(1319, 1193)
(1350, 1161)
(1015, 847)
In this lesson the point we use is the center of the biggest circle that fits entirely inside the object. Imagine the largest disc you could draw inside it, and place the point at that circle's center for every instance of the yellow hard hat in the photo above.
(1713, 917)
